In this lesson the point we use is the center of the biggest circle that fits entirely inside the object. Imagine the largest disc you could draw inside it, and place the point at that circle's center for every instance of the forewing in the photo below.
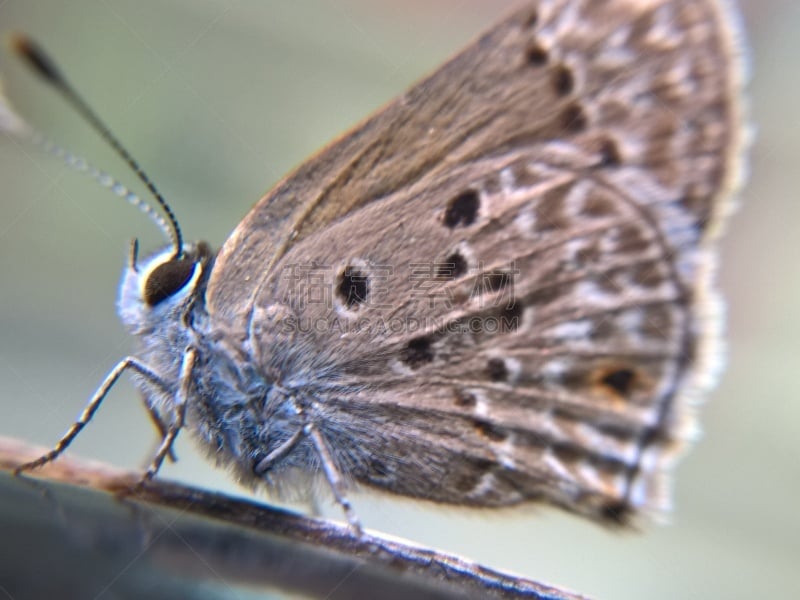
(647, 82)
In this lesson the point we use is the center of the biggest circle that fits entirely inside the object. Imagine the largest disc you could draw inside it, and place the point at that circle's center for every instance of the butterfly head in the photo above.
(162, 287)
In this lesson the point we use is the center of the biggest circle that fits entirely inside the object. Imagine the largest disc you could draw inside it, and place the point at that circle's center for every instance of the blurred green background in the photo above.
(218, 100)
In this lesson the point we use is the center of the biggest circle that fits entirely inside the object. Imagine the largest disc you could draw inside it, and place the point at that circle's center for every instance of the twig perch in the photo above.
(169, 534)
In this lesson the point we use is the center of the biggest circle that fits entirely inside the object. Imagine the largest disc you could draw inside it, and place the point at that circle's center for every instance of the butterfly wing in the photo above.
(499, 282)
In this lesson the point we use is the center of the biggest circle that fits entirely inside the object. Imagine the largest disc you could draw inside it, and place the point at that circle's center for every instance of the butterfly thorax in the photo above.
(237, 412)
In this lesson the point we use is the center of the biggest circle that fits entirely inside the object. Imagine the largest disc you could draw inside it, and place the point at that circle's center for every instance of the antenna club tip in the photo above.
(19, 42)
(24, 46)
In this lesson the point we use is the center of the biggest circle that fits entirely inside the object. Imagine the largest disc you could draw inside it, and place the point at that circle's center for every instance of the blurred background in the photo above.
(218, 100)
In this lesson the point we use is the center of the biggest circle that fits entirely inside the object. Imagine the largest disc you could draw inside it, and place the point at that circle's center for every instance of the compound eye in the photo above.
(168, 279)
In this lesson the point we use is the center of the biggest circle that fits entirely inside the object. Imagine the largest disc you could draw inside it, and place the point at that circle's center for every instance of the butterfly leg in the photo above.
(187, 368)
(91, 408)
(333, 476)
(162, 429)
(266, 463)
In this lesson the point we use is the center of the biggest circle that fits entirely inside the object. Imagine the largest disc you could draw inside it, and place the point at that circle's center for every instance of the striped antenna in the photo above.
(12, 124)
(41, 63)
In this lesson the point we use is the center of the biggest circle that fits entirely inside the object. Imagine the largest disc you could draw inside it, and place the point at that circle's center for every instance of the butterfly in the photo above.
(496, 290)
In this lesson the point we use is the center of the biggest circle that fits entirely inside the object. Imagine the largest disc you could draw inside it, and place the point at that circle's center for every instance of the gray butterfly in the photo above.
(495, 290)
